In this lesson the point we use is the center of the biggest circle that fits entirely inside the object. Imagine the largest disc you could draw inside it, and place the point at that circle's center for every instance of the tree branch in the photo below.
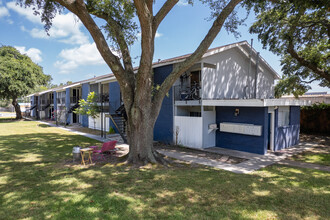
(119, 37)
(323, 73)
(195, 56)
(161, 14)
(78, 7)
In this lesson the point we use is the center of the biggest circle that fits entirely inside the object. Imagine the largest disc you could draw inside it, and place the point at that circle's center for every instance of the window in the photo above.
(94, 88)
(283, 116)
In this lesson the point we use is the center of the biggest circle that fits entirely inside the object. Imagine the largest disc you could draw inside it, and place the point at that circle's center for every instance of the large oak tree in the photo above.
(141, 101)
(19, 76)
(298, 31)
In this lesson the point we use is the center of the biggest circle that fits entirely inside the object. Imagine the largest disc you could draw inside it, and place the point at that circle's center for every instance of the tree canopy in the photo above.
(298, 31)
(19, 75)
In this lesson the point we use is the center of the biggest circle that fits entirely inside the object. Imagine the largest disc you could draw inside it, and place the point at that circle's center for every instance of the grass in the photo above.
(312, 157)
(319, 154)
(35, 183)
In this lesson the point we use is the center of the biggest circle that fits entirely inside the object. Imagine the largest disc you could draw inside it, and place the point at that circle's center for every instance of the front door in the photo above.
(75, 118)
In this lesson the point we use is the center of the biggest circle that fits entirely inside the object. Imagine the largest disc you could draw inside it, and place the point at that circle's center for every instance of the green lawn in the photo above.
(317, 158)
(319, 154)
(35, 183)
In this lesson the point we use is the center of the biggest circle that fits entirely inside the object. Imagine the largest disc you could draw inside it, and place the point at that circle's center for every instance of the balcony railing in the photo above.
(46, 101)
(60, 100)
(184, 93)
(104, 97)
(74, 99)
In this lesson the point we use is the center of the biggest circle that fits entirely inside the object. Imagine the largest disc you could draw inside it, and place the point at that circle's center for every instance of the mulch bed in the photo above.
(195, 152)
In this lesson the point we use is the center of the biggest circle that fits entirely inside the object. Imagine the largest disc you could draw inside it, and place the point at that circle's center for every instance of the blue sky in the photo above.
(69, 53)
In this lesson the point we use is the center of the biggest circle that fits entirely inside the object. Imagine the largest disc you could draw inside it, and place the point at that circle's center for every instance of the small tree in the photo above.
(89, 107)
(18, 76)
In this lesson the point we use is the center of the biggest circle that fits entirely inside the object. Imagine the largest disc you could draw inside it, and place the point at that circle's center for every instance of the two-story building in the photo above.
(224, 100)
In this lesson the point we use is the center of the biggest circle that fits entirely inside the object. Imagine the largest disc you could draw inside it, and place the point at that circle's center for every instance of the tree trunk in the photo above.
(140, 125)
(17, 108)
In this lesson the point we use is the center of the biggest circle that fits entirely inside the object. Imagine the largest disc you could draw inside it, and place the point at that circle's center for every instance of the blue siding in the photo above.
(84, 94)
(163, 130)
(241, 142)
(288, 135)
(55, 101)
(114, 100)
(37, 108)
(67, 105)
(114, 96)
(33, 112)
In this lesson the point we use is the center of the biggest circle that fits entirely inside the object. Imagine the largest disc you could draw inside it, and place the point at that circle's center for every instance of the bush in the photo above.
(111, 130)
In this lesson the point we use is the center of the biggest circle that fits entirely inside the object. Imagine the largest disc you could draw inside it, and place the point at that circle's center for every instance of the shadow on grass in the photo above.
(9, 119)
(35, 184)
(44, 125)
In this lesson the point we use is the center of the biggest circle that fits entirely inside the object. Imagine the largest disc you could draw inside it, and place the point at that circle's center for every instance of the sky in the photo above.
(69, 53)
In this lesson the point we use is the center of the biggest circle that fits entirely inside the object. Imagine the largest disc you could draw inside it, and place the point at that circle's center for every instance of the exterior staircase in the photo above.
(45, 107)
(118, 118)
(73, 108)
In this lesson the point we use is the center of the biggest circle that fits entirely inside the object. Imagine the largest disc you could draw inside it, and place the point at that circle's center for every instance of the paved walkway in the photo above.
(253, 162)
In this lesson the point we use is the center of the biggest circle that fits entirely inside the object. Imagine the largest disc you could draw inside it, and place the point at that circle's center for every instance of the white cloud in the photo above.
(26, 12)
(158, 35)
(86, 54)
(33, 53)
(4, 12)
(183, 3)
(65, 28)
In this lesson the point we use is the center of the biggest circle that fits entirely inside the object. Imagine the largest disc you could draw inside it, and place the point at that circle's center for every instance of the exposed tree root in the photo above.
(154, 158)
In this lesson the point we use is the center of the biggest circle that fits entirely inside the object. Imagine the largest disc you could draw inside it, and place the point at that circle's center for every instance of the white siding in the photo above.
(190, 131)
(230, 78)
(98, 122)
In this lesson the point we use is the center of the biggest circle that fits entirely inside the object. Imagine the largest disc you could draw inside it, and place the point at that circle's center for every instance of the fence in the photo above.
(315, 120)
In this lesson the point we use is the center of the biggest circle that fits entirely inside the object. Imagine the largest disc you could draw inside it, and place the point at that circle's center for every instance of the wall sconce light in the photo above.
(236, 112)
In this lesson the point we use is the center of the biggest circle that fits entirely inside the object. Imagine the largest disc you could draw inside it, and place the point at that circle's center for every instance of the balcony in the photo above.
(104, 97)
(60, 100)
(185, 94)
(75, 99)
(46, 102)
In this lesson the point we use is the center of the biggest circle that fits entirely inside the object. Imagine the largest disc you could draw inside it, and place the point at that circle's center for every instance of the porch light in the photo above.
(237, 112)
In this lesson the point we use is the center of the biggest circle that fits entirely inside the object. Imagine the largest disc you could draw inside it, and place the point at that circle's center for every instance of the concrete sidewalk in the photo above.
(253, 162)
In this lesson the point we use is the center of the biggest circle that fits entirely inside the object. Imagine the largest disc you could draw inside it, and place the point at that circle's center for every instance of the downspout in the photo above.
(256, 76)
(101, 99)
(248, 81)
